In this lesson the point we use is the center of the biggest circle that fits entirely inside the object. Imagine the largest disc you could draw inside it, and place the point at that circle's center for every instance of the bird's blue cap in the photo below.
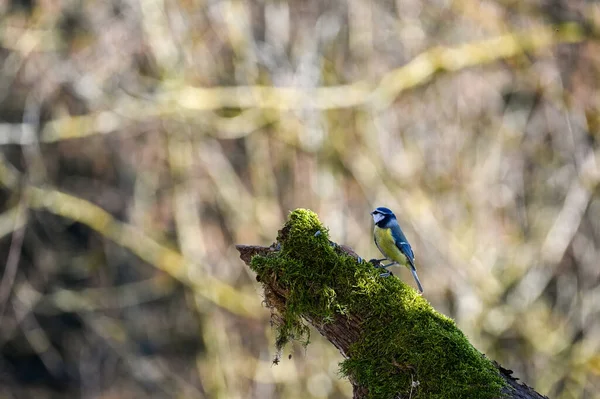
(383, 210)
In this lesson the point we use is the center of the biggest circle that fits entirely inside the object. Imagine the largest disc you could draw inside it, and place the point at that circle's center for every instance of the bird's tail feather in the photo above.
(414, 273)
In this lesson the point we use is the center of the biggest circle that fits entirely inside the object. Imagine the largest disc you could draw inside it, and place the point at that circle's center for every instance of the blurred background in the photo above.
(141, 140)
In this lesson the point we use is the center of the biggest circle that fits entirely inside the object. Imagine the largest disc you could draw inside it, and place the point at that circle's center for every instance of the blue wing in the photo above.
(403, 245)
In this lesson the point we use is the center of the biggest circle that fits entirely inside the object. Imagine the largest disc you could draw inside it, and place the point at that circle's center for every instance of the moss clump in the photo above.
(406, 348)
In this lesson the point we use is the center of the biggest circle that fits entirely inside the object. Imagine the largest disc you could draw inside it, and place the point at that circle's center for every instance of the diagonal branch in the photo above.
(395, 344)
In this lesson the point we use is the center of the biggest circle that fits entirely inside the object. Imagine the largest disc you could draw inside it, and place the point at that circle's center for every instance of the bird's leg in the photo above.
(386, 273)
(378, 262)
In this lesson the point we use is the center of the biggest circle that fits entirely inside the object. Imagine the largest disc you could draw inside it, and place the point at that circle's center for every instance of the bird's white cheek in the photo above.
(377, 217)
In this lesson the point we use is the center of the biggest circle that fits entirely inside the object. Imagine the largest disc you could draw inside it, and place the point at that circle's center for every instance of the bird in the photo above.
(392, 242)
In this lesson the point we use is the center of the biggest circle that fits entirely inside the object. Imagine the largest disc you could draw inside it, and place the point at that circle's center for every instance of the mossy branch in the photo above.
(394, 343)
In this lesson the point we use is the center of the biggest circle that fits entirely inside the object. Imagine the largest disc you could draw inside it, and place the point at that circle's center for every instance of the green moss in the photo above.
(406, 346)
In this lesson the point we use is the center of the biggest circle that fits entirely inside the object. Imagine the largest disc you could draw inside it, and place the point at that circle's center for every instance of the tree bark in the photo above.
(343, 331)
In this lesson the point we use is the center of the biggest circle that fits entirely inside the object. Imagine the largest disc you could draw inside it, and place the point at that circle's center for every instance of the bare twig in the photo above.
(14, 255)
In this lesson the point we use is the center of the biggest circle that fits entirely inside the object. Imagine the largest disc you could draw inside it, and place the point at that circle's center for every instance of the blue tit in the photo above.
(392, 243)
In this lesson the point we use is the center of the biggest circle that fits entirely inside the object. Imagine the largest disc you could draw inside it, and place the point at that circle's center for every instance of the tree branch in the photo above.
(355, 310)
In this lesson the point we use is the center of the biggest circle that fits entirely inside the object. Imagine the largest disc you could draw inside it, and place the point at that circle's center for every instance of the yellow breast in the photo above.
(387, 245)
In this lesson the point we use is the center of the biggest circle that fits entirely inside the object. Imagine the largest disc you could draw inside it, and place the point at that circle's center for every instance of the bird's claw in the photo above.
(377, 262)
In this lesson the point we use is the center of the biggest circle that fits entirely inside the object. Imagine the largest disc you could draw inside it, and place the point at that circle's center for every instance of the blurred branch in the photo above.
(9, 176)
(560, 236)
(14, 255)
(145, 369)
(127, 236)
(185, 198)
(173, 102)
(234, 196)
(106, 122)
(417, 72)
(424, 66)
(37, 337)
(94, 299)
(156, 254)
(12, 220)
